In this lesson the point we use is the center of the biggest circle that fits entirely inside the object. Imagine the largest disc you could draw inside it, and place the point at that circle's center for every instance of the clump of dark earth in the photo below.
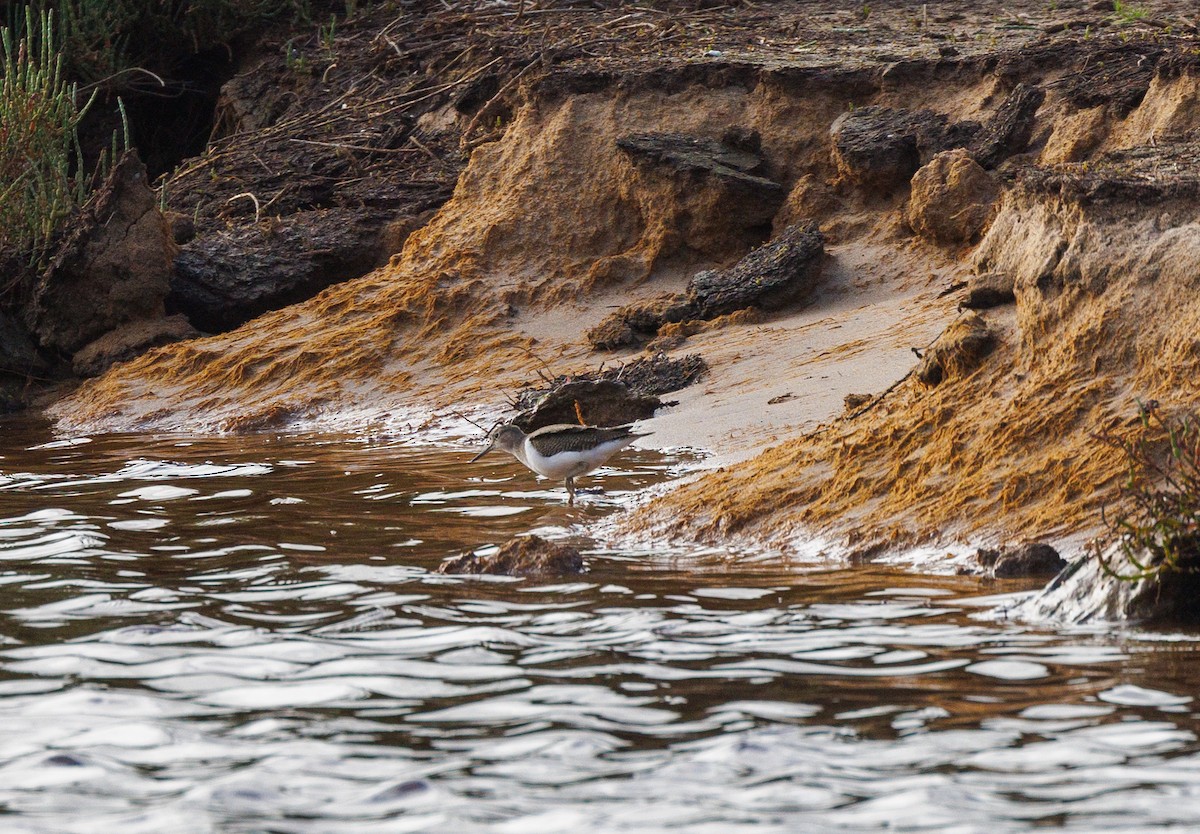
(113, 266)
(226, 278)
(594, 402)
(1028, 559)
(658, 374)
(736, 161)
(989, 289)
(609, 396)
(520, 556)
(770, 278)
(1010, 128)
(880, 148)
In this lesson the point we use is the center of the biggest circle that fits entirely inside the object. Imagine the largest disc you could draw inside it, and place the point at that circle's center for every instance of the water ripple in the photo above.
(241, 635)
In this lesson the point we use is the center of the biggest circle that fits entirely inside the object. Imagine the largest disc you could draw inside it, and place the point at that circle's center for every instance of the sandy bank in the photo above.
(553, 225)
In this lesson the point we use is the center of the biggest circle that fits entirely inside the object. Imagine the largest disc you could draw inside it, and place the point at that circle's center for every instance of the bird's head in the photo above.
(505, 438)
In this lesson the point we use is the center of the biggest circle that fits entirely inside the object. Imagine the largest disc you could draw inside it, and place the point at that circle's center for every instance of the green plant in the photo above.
(327, 35)
(1127, 12)
(130, 43)
(41, 162)
(295, 61)
(1157, 527)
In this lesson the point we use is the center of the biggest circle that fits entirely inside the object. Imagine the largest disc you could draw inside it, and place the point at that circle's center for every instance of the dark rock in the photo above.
(879, 148)
(600, 402)
(128, 341)
(990, 289)
(986, 557)
(771, 277)
(958, 351)
(1029, 559)
(1009, 129)
(113, 267)
(520, 556)
(227, 278)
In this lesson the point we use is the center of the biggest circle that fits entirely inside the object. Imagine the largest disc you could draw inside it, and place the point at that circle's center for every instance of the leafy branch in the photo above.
(1157, 527)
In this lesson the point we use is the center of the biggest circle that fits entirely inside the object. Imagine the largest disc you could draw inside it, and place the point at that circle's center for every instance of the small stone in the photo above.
(1029, 559)
(520, 556)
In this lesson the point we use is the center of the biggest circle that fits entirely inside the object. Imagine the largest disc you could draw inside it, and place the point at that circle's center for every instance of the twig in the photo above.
(341, 146)
(425, 148)
(257, 208)
(459, 414)
(548, 379)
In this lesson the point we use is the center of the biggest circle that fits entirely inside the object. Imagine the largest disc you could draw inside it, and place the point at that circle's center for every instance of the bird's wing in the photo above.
(566, 437)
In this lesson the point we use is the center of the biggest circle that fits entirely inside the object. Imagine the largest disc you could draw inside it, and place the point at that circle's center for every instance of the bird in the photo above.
(563, 451)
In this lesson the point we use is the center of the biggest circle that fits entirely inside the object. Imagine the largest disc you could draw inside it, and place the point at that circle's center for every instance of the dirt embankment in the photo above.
(1055, 160)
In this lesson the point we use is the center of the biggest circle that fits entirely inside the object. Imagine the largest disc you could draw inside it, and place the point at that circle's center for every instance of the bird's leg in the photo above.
(570, 492)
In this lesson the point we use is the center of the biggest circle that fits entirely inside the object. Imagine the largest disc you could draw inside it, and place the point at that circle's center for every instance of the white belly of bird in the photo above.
(571, 464)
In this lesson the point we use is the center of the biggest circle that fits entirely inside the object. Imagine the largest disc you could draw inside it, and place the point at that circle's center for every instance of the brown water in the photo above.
(245, 635)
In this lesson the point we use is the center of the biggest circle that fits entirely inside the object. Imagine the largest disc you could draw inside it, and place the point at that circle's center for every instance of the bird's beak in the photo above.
(484, 452)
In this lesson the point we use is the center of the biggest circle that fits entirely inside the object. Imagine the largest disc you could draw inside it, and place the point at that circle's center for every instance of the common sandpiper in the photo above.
(561, 451)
